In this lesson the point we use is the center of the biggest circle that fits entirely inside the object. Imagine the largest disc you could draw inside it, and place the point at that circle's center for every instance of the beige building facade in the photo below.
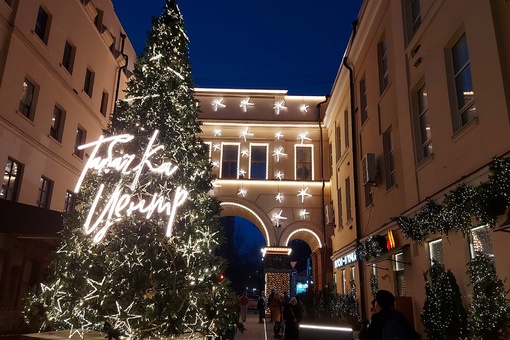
(419, 107)
(62, 66)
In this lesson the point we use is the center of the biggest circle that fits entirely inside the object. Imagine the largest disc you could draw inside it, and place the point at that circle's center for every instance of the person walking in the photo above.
(261, 306)
(276, 307)
(292, 317)
(243, 301)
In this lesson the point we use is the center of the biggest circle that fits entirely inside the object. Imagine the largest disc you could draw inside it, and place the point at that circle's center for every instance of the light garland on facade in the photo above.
(245, 103)
(303, 136)
(279, 106)
(217, 103)
(279, 153)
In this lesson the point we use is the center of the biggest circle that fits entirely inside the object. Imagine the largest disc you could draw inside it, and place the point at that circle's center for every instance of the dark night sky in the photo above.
(294, 45)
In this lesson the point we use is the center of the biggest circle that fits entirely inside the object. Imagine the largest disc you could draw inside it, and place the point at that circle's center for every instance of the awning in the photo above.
(29, 221)
(389, 256)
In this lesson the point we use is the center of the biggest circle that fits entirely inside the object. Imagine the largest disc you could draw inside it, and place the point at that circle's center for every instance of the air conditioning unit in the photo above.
(330, 214)
(369, 168)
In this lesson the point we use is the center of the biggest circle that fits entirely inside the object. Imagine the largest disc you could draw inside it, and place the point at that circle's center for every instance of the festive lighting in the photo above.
(257, 217)
(217, 103)
(303, 214)
(278, 106)
(245, 103)
(215, 164)
(279, 175)
(303, 108)
(278, 135)
(241, 192)
(244, 152)
(279, 197)
(303, 136)
(304, 193)
(242, 172)
(217, 133)
(216, 147)
(270, 125)
(279, 152)
(304, 230)
(278, 217)
(244, 134)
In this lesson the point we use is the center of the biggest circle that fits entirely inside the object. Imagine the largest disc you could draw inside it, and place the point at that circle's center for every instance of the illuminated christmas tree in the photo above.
(490, 309)
(137, 257)
(443, 314)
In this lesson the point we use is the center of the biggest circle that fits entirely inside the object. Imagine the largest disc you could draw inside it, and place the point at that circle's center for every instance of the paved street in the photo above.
(254, 329)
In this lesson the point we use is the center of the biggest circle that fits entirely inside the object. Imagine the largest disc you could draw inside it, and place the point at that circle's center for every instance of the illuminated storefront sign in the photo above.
(390, 243)
(345, 260)
(119, 203)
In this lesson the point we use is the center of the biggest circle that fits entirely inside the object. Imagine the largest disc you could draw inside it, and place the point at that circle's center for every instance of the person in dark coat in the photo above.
(261, 306)
(292, 317)
(387, 323)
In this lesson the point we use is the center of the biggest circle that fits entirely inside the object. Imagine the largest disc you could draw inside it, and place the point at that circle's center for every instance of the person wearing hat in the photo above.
(388, 323)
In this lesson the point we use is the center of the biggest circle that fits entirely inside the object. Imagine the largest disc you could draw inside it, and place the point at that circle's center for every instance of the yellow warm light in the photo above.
(251, 212)
(329, 328)
(272, 182)
(306, 231)
(217, 123)
(276, 251)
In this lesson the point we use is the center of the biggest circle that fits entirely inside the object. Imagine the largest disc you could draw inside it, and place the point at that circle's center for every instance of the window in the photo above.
(344, 282)
(45, 188)
(436, 251)
(68, 57)
(104, 103)
(465, 107)
(12, 180)
(424, 123)
(415, 14)
(258, 161)
(399, 274)
(42, 25)
(8, 2)
(338, 143)
(382, 49)
(98, 20)
(89, 82)
(81, 135)
(363, 101)
(481, 241)
(389, 158)
(346, 129)
(304, 162)
(27, 100)
(57, 123)
(353, 273)
(369, 195)
(348, 203)
(340, 212)
(70, 203)
(229, 160)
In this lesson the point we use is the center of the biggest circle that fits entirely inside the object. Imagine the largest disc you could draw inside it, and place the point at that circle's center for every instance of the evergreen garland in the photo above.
(490, 309)
(373, 246)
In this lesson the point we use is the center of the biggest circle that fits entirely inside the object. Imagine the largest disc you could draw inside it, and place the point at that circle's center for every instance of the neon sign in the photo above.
(119, 202)
(345, 260)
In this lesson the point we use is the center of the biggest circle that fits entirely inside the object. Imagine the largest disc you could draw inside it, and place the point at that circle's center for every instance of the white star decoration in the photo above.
(278, 135)
(303, 137)
(242, 192)
(304, 108)
(216, 103)
(279, 175)
(278, 106)
(279, 152)
(303, 213)
(244, 134)
(244, 152)
(245, 103)
(242, 172)
(216, 147)
(279, 197)
(278, 217)
(304, 193)
(217, 133)
(216, 164)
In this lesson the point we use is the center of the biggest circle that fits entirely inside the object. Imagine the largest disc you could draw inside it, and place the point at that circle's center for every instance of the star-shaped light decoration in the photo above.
(279, 152)
(303, 213)
(242, 172)
(217, 133)
(216, 147)
(244, 134)
(245, 103)
(215, 164)
(304, 108)
(242, 192)
(279, 175)
(279, 197)
(278, 135)
(216, 103)
(244, 153)
(304, 193)
(278, 217)
(303, 136)
(278, 106)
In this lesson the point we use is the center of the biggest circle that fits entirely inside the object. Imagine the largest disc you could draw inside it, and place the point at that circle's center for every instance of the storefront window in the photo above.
(436, 251)
(481, 241)
(399, 274)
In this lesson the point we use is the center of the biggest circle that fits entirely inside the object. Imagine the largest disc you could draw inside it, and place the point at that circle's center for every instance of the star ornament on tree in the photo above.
(304, 193)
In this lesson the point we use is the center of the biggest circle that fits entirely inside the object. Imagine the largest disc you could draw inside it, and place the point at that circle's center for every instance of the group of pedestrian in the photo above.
(285, 315)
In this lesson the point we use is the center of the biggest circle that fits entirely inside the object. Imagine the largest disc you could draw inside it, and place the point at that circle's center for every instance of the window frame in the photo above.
(389, 159)
(57, 126)
(88, 84)
(70, 201)
(42, 25)
(265, 163)
(424, 143)
(338, 135)
(68, 56)
(45, 192)
(103, 107)
(486, 229)
(300, 165)
(346, 130)
(27, 106)
(348, 199)
(230, 176)
(340, 202)
(80, 138)
(431, 247)
(383, 61)
(363, 100)
(18, 176)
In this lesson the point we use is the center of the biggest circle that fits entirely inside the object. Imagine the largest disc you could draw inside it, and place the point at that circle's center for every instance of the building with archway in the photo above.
(267, 151)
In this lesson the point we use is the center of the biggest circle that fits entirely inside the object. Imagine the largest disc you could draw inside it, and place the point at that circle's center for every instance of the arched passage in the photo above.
(307, 232)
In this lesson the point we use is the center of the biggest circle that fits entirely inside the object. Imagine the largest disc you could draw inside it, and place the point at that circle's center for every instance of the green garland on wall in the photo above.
(484, 202)
(372, 247)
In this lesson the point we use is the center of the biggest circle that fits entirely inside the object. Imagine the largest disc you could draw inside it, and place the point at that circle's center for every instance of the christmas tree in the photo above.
(490, 309)
(137, 257)
(443, 314)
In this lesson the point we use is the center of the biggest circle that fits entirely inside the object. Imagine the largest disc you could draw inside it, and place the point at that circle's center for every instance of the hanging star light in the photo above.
(216, 147)
(217, 133)
(245, 103)
(278, 217)
(216, 103)
(244, 152)
(304, 108)
(279, 197)
(278, 106)
(215, 164)
(304, 136)
(279, 152)
(242, 192)
(279, 175)
(304, 193)
(242, 172)
(303, 213)
(278, 135)
(244, 134)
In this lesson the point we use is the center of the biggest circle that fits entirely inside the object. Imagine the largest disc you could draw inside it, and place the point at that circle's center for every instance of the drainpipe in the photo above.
(355, 185)
(117, 87)
(321, 162)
